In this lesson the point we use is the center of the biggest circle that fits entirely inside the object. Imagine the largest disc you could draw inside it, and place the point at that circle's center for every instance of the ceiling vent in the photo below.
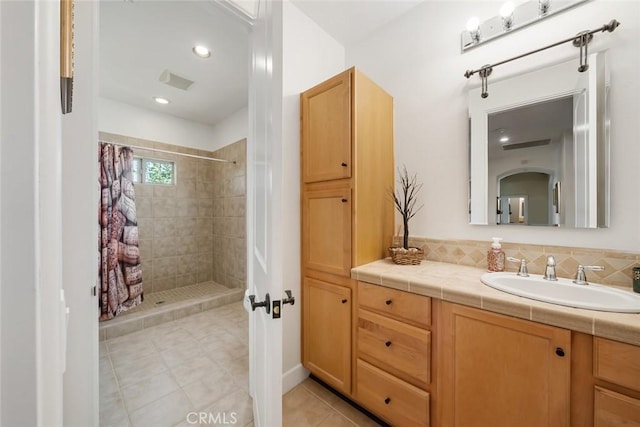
(527, 144)
(174, 80)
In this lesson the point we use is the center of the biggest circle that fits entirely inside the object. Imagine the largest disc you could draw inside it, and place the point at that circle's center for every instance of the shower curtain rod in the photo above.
(172, 152)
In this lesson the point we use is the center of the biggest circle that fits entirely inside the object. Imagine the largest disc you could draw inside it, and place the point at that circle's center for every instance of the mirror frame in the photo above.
(541, 85)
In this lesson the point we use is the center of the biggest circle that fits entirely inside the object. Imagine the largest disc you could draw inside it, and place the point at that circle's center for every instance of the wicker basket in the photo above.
(411, 256)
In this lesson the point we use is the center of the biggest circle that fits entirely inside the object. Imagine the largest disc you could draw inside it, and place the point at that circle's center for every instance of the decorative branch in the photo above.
(405, 199)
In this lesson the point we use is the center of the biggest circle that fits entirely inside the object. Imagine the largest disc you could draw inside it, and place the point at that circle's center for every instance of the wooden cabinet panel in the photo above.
(326, 229)
(617, 362)
(327, 332)
(404, 306)
(502, 371)
(394, 400)
(400, 349)
(326, 130)
(615, 410)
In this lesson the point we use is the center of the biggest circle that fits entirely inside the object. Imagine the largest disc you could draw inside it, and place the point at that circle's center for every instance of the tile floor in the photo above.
(199, 364)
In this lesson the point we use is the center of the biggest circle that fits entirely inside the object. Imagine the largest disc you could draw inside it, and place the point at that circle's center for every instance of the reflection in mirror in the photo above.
(537, 132)
(530, 150)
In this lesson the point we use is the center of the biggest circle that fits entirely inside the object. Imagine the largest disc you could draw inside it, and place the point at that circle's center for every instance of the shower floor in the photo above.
(172, 304)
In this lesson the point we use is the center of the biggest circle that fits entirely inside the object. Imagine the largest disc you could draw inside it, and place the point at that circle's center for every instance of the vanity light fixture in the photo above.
(506, 12)
(512, 16)
(580, 40)
(201, 51)
(161, 100)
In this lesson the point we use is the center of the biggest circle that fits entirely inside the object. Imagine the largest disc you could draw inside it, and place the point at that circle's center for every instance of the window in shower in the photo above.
(153, 171)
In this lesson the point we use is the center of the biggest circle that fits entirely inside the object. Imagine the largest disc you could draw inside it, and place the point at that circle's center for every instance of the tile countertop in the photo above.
(461, 284)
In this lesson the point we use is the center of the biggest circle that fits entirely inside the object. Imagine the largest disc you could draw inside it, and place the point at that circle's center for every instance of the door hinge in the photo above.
(94, 291)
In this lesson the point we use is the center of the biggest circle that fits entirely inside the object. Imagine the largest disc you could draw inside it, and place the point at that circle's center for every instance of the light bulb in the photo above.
(507, 9)
(473, 24)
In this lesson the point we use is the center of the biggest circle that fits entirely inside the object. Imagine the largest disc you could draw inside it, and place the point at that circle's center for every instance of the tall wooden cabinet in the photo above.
(347, 217)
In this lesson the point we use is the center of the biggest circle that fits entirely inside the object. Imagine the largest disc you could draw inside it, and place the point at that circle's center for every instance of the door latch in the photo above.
(276, 309)
(289, 299)
(266, 303)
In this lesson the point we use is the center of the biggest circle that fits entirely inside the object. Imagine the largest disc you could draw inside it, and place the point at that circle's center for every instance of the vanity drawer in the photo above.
(617, 362)
(391, 398)
(401, 349)
(405, 306)
(613, 409)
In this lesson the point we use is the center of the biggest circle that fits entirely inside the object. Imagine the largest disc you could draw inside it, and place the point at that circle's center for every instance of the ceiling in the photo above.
(525, 124)
(141, 38)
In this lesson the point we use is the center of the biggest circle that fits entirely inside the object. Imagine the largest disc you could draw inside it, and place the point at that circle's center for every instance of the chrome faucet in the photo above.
(523, 266)
(581, 277)
(550, 269)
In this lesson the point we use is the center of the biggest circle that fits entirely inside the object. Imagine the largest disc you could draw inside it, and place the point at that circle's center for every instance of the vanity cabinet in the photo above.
(502, 371)
(346, 156)
(394, 354)
(616, 368)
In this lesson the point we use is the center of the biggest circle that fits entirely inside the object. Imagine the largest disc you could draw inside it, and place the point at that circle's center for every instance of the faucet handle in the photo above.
(523, 266)
(581, 276)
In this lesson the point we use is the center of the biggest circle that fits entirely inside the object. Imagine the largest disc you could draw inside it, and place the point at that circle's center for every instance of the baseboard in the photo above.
(293, 377)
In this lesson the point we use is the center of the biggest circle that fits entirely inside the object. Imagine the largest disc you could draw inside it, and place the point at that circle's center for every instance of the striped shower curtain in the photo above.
(120, 271)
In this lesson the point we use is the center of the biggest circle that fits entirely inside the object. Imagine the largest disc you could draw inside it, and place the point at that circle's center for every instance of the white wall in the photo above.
(232, 129)
(30, 186)
(80, 226)
(310, 56)
(417, 59)
(124, 119)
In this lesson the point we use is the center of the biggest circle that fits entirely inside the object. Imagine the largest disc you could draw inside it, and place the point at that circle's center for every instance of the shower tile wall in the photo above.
(194, 231)
(229, 217)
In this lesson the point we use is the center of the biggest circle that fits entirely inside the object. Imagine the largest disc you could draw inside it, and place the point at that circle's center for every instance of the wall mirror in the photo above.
(539, 148)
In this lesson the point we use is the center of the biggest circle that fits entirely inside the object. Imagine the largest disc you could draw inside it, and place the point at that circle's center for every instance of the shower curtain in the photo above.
(120, 271)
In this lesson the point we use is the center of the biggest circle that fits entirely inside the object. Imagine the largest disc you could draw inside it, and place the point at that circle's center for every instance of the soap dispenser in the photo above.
(495, 256)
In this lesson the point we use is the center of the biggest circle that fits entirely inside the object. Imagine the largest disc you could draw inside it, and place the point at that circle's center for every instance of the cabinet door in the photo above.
(502, 371)
(326, 230)
(326, 130)
(327, 332)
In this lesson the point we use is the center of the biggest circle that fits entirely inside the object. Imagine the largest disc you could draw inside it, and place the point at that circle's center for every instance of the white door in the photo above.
(264, 189)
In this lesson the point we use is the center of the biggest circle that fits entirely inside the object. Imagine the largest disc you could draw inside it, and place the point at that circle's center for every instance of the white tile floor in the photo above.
(157, 376)
(168, 374)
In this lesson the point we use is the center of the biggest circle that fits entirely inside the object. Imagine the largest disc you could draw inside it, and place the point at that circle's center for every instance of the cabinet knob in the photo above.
(387, 400)
(344, 200)
(388, 302)
(344, 165)
(560, 352)
(344, 301)
(388, 343)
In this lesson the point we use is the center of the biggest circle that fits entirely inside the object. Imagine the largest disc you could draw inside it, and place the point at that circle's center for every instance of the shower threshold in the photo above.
(172, 304)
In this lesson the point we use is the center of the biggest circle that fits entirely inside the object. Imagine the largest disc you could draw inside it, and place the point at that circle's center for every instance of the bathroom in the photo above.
(423, 70)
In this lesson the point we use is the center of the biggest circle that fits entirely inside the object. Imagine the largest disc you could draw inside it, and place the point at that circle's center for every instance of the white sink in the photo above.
(564, 292)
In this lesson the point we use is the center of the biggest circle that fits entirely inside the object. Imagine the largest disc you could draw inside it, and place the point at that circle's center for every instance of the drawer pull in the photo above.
(387, 400)
(344, 165)
(388, 343)
(560, 352)
(388, 302)
(344, 200)
(344, 301)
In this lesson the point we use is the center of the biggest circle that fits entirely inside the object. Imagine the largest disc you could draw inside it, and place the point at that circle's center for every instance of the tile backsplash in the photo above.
(618, 265)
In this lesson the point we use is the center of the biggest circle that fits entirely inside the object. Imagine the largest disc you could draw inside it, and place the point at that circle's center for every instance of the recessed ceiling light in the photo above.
(161, 100)
(504, 139)
(201, 51)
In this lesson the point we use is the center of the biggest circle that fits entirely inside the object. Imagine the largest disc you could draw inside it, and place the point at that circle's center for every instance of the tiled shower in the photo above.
(192, 234)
